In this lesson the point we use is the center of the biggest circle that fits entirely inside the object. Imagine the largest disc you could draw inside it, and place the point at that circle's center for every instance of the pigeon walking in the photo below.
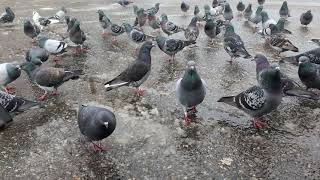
(241, 7)
(8, 73)
(124, 3)
(284, 10)
(37, 55)
(191, 33)
(234, 45)
(190, 90)
(77, 36)
(306, 18)
(257, 18)
(54, 47)
(228, 14)
(184, 7)
(313, 55)
(169, 27)
(172, 46)
(8, 16)
(211, 29)
(135, 35)
(96, 124)
(31, 30)
(309, 73)
(136, 73)
(49, 78)
(141, 18)
(110, 28)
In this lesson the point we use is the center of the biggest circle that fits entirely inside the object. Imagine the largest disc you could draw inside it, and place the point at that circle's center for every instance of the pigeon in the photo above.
(37, 55)
(43, 21)
(141, 18)
(109, 27)
(8, 16)
(241, 7)
(309, 73)
(190, 90)
(154, 23)
(136, 73)
(266, 21)
(71, 23)
(184, 7)
(211, 29)
(313, 55)
(124, 3)
(96, 123)
(105, 22)
(134, 34)
(257, 18)
(280, 25)
(306, 18)
(212, 12)
(5, 117)
(281, 43)
(261, 2)
(259, 100)
(172, 46)
(60, 14)
(233, 44)
(316, 40)
(191, 33)
(154, 10)
(284, 10)
(54, 47)
(77, 36)
(248, 12)
(49, 78)
(8, 73)
(169, 27)
(215, 3)
(135, 9)
(31, 30)
(228, 14)
(67, 19)
(289, 86)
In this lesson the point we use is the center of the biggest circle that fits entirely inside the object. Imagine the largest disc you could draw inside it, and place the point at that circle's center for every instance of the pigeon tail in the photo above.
(115, 83)
(73, 75)
(30, 105)
(188, 43)
(228, 100)
(291, 60)
(302, 93)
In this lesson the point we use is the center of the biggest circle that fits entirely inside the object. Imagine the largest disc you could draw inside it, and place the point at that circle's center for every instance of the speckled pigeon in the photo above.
(96, 124)
(190, 90)
(313, 55)
(135, 35)
(37, 55)
(49, 78)
(8, 73)
(54, 47)
(281, 43)
(169, 27)
(306, 18)
(31, 30)
(284, 10)
(191, 33)
(309, 73)
(8, 16)
(172, 46)
(136, 73)
(77, 36)
(124, 3)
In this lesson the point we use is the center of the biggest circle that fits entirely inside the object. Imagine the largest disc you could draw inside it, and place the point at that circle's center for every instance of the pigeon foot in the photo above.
(9, 90)
(258, 124)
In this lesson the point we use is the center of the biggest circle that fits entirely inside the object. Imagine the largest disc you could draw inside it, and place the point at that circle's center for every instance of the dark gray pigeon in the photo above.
(37, 55)
(154, 10)
(136, 73)
(8, 16)
(124, 3)
(8, 73)
(49, 78)
(261, 2)
(259, 100)
(31, 30)
(313, 55)
(191, 33)
(248, 12)
(316, 40)
(5, 117)
(227, 14)
(234, 45)
(169, 27)
(190, 90)
(184, 7)
(215, 3)
(77, 36)
(96, 124)
(241, 7)
(71, 23)
(172, 46)
(309, 73)
(211, 29)
(284, 10)
(306, 18)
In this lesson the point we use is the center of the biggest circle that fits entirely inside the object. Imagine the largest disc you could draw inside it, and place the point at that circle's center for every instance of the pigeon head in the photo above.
(227, 8)
(270, 80)
(8, 10)
(191, 79)
(285, 4)
(196, 10)
(64, 9)
(260, 59)
(164, 18)
(157, 5)
(206, 8)
(215, 3)
(135, 8)
(13, 71)
(27, 23)
(264, 16)
(304, 60)
(229, 29)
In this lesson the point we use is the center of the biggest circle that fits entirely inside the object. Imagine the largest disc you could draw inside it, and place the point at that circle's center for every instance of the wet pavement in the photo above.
(150, 141)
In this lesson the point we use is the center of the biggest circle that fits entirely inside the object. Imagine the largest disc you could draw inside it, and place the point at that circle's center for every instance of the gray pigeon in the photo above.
(172, 46)
(215, 3)
(184, 7)
(5, 117)
(281, 43)
(124, 3)
(49, 78)
(135, 35)
(280, 25)
(266, 21)
(169, 27)
(77, 36)
(60, 14)
(257, 18)
(71, 23)
(234, 45)
(141, 18)
(154, 23)
(8, 73)
(96, 123)
(52, 46)
(248, 12)
(313, 55)
(259, 100)
(228, 14)
(241, 7)
(309, 73)
(284, 10)
(136, 73)
(306, 18)
(261, 2)
(31, 30)
(110, 28)
(154, 10)
(316, 40)
(37, 55)
(8, 16)
(191, 33)
(190, 90)
(211, 29)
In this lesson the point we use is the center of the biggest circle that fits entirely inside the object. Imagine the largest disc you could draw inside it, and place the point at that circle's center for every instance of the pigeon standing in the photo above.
(259, 100)
(96, 123)
(154, 10)
(154, 23)
(141, 18)
(313, 55)
(71, 23)
(190, 90)
(77, 36)
(109, 28)
(184, 7)
(261, 2)
(136, 73)
(241, 7)
(31, 30)
(306, 18)
(228, 14)
(248, 12)
(49, 78)
(309, 73)
(257, 18)
(284, 10)
(8, 16)
(134, 34)
(215, 3)
(43, 21)
(211, 29)
(124, 3)
(234, 45)
(191, 33)
(8, 73)
(54, 47)
(280, 25)
(37, 55)
(172, 46)
(169, 27)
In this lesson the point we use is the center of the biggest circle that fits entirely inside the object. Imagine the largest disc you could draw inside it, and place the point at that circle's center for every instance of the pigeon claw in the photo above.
(140, 92)
(55, 93)
(9, 90)
(186, 120)
(98, 148)
(258, 124)
(42, 98)
(114, 40)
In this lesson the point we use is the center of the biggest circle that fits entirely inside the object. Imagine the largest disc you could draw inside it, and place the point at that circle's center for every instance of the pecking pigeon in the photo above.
(8, 16)
(8, 73)
(77, 36)
(211, 29)
(37, 55)
(169, 27)
(309, 73)
(191, 33)
(313, 55)
(306, 18)
(31, 30)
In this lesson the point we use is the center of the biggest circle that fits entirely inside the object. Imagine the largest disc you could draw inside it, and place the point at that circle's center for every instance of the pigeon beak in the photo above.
(153, 44)
(19, 67)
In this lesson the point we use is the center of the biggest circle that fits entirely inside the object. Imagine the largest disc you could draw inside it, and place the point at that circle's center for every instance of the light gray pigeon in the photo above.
(248, 12)
(309, 73)
(284, 10)
(191, 33)
(306, 18)
(169, 27)
(5, 117)
(8, 16)
(313, 55)
(8, 73)
(37, 55)
(227, 14)
(136, 73)
(96, 124)
(257, 18)
(31, 30)
(266, 21)
(190, 90)
(261, 2)
(49, 78)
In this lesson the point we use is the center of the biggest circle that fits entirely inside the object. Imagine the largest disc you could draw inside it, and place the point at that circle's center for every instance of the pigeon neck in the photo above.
(144, 55)
(191, 80)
